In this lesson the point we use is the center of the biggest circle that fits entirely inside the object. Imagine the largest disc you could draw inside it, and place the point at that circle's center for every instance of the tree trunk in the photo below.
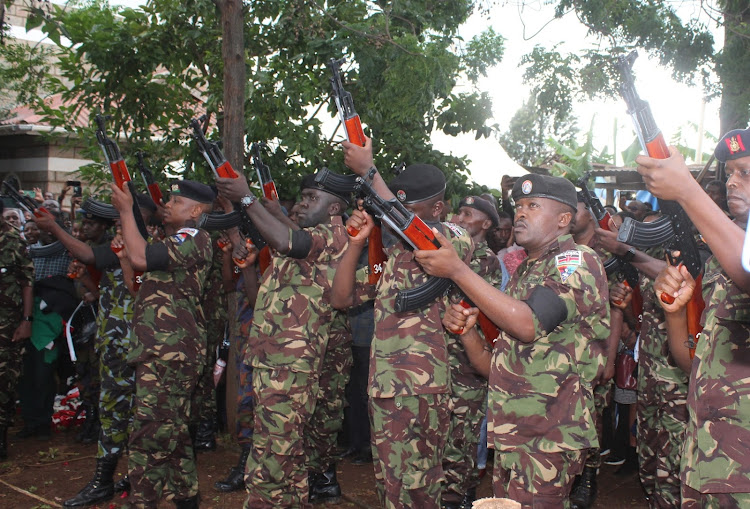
(733, 67)
(233, 55)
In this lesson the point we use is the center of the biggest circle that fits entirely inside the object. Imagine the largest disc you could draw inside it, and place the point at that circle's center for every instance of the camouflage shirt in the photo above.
(716, 458)
(16, 273)
(293, 310)
(540, 393)
(409, 354)
(168, 318)
(486, 264)
(115, 300)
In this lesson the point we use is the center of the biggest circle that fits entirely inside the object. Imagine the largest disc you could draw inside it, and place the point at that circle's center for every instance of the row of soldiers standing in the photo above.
(428, 368)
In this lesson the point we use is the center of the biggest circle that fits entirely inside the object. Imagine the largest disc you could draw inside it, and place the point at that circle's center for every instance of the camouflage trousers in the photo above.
(328, 419)
(536, 480)
(276, 472)
(161, 462)
(245, 403)
(11, 363)
(601, 401)
(459, 459)
(204, 397)
(409, 435)
(694, 499)
(87, 373)
(116, 393)
(662, 419)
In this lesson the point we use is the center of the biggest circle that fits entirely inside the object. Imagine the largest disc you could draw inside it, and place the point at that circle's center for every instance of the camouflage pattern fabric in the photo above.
(662, 407)
(537, 480)
(161, 461)
(169, 350)
(602, 398)
(540, 393)
(692, 499)
(239, 331)
(468, 396)
(215, 308)
(288, 338)
(328, 418)
(16, 272)
(716, 458)
(276, 472)
(117, 377)
(409, 361)
(408, 439)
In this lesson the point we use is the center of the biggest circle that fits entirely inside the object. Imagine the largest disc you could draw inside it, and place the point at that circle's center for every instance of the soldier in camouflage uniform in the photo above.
(468, 388)
(203, 418)
(409, 387)
(288, 337)
(117, 383)
(16, 307)
(715, 467)
(555, 321)
(168, 347)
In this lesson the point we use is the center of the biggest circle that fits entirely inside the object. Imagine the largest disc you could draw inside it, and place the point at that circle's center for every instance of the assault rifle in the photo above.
(119, 169)
(223, 169)
(615, 265)
(354, 133)
(148, 178)
(681, 246)
(265, 180)
(29, 205)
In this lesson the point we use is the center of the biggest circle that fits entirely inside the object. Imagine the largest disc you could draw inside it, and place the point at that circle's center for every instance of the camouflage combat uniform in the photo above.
(16, 272)
(117, 377)
(540, 412)
(168, 350)
(716, 458)
(662, 407)
(286, 346)
(409, 387)
(468, 395)
(328, 418)
(239, 330)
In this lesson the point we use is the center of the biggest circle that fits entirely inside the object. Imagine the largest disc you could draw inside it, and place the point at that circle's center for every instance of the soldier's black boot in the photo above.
(187, 503)
(89, 432)
(236, 479)
(583, 494)
(3, 442)
(325, 489)
(101, 488)
(123, 485)
(205, 436)
(469, 498)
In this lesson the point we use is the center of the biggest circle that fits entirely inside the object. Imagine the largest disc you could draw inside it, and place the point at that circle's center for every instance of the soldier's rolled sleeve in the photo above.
(104, 257)
(26, 266)
(548, 310)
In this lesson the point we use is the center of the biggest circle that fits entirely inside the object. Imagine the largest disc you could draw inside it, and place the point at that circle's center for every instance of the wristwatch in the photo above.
(628, 257)
(247, 200)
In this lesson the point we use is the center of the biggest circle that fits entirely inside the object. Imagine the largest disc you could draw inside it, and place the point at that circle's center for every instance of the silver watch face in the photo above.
(247, 200)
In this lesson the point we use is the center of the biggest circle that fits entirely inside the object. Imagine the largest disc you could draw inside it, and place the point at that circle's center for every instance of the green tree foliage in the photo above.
(147, 67)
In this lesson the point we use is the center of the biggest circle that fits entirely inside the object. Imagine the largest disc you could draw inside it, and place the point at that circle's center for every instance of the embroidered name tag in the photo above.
(567, 263)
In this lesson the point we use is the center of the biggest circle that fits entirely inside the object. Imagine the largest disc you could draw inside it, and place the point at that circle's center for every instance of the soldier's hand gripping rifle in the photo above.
(615, 265)
(148, 178)
(29, 205)
(223, 169)
(681, 247)
(119, 170)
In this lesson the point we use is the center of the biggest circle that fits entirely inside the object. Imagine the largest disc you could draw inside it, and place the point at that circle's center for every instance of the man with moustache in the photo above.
(543, 367)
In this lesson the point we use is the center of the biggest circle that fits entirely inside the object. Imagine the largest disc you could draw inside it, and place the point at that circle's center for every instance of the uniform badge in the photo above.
(457, 230)
(175, 188)
(469, 200)
(526, 187)
(735, 144)
(401, 195)
(183, 233)
(567, 263)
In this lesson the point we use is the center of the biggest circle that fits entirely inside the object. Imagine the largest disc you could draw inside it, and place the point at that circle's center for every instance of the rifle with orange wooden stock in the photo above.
(681, 245)
(148, 178)
(354, 133)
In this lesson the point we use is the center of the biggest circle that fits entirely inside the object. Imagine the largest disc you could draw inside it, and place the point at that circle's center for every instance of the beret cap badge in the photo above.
(526, 187)
(401, 195)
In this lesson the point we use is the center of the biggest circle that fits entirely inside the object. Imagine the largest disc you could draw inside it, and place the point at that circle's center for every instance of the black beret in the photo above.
(146, 202)
(194, 191)
(733, 145)
(308, 182)
(482, 205)
(418, 182)
(545, 186)
(98, 211)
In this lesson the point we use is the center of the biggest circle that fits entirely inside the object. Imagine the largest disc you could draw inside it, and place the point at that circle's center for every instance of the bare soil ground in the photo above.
(40, 475)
